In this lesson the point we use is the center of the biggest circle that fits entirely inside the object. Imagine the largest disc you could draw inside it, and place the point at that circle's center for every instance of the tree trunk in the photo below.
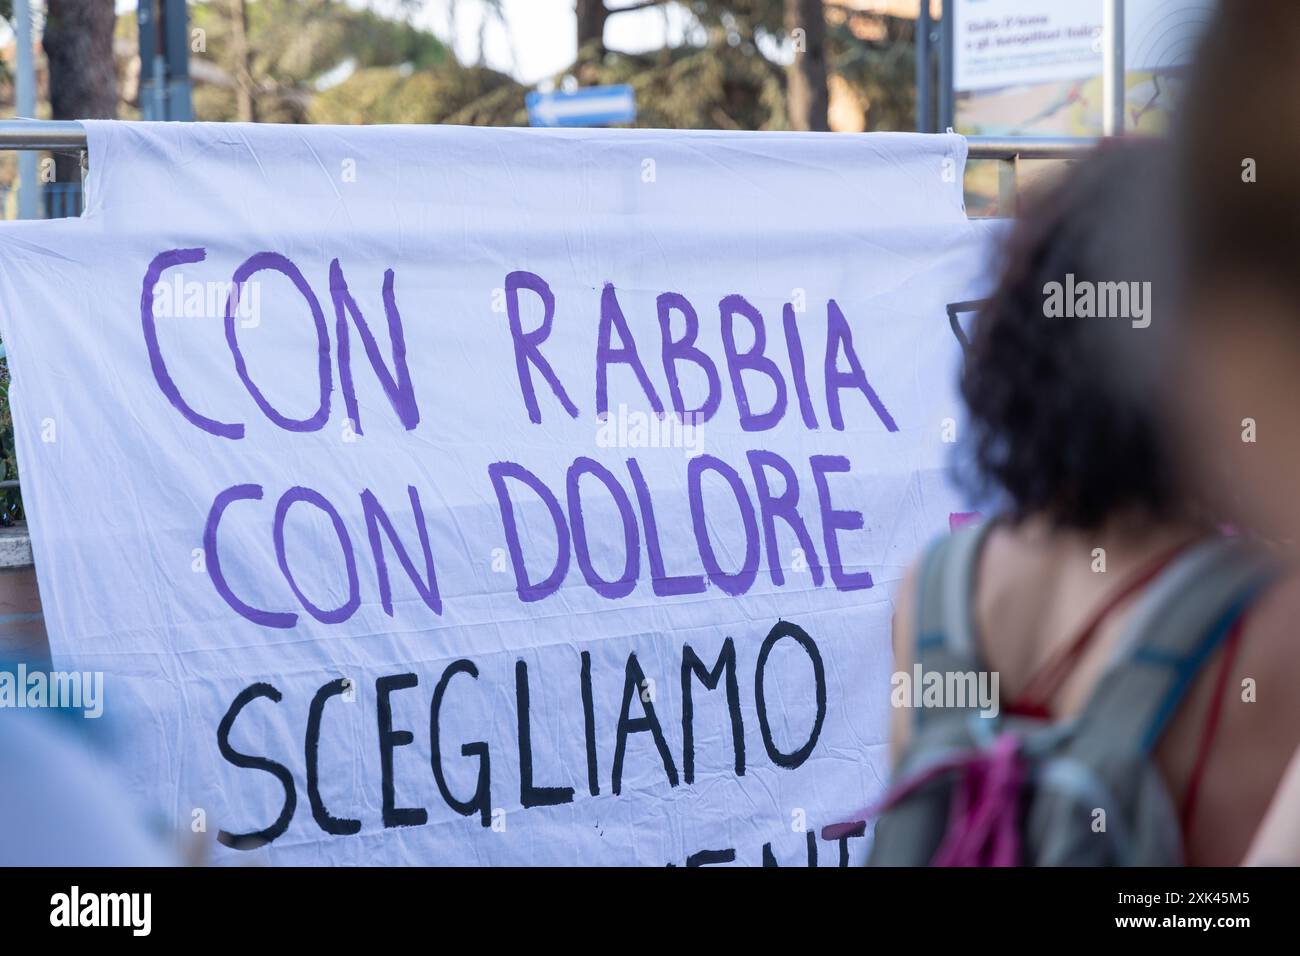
(592, 15)
(78, 43)
(245, 108)
(807, 98)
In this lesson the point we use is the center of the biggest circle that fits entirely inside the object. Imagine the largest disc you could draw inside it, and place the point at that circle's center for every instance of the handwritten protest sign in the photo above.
(438, 495)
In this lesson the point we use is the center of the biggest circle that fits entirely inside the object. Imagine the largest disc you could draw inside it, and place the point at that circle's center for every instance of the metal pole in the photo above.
(1008, 152)
(923, 65)
(57, 136)
(1011, 148)
(25, 103)
(69, 136)
(160, 60)
(1008, 186)
(946, 35)
(1112, 29)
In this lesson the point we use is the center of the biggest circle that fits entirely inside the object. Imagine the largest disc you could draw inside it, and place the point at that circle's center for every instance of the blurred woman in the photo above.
(1121, 626)
(1237, 388)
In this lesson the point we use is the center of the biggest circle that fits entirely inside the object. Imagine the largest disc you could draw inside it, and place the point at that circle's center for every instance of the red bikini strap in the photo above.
(1211, 723)
(1042, 686)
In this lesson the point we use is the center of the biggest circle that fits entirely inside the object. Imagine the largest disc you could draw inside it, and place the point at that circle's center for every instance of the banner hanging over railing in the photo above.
(442, 495)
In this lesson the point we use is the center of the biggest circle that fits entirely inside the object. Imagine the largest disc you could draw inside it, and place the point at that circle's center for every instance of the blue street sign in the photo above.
(589, 106)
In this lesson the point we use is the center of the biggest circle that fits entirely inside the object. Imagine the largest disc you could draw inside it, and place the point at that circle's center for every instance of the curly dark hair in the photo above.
(1056, 428)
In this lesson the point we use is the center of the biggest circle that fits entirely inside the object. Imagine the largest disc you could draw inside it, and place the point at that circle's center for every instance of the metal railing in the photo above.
(57, 136)
(1009, 151)
(58, 200)
(67, 136)
(1014, 148)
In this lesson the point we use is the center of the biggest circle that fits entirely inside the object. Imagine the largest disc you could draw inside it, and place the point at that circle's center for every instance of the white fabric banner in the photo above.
(451, 496)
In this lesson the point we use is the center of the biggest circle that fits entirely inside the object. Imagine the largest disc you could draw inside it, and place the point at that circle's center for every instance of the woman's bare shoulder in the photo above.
(1271, 633)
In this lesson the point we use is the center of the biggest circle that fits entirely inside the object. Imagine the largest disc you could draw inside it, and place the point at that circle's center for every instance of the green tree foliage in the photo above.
(11, 505)
(714, 87)
(7, 12)
(721, 79)
(398, 95)
(292, 44)
(876, 56)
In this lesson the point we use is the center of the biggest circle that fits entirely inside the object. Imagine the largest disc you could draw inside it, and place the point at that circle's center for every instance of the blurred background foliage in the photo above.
(334, 61)
(326, 61)
(11, 505)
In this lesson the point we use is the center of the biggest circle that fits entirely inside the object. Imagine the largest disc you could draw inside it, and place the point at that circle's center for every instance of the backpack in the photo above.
(1015, 790)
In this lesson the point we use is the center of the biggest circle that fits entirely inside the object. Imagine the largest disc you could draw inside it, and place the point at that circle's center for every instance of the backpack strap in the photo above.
(945, 617)
(1175, 628)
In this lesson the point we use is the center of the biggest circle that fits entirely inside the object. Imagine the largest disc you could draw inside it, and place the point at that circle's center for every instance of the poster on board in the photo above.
(1000, 43)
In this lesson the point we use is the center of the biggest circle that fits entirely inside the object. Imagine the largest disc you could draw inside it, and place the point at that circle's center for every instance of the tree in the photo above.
(7, 14)
(732, 26)
(592, 16)
(437, 95)
(287, 48)
(245, 109)
(807, 95)
(875, 56)
(78, 42)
